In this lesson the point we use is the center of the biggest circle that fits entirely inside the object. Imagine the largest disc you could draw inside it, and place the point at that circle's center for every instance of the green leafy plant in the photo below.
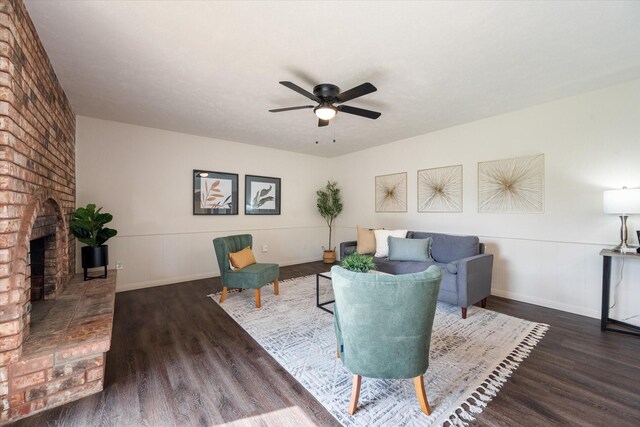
(87, 225)
(358, 263)
(329, 204)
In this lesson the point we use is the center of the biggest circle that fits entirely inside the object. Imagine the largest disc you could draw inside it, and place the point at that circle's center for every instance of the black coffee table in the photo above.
(325, 275)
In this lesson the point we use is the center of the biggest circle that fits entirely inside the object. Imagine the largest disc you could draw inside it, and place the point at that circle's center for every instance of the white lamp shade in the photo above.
(622, 202)
(324, 112)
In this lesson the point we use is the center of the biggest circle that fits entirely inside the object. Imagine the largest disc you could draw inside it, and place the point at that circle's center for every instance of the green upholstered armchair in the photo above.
(383, 325)
(253, 276)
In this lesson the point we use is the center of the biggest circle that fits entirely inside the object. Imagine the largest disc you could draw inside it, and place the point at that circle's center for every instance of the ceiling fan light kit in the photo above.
(326, 95)
(325, 111)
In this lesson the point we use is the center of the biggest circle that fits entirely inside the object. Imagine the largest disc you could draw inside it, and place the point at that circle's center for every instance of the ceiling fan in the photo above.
(326, 95)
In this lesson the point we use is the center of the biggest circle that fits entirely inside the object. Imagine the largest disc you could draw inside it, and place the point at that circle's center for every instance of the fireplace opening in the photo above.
(37, 254)
(43, 270)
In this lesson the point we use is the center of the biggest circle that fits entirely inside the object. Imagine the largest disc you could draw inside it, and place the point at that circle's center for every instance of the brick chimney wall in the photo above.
(37, 176)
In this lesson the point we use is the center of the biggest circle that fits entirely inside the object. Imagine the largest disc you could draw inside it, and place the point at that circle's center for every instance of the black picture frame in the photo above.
(226, 190)
(262, 195)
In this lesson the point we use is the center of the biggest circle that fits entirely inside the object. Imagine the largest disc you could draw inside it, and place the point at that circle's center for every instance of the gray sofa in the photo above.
(466, 269)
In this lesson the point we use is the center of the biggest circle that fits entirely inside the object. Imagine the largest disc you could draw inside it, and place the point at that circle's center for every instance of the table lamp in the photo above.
(622, 202)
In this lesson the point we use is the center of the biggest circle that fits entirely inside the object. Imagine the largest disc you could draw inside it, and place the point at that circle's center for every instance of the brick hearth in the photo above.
(64, 357)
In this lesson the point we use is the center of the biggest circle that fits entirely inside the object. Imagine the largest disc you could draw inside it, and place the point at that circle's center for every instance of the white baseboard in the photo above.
(178, 279)
(161, 282)
(547, 303)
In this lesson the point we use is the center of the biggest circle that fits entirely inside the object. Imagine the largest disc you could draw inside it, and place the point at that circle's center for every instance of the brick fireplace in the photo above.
(60, 358)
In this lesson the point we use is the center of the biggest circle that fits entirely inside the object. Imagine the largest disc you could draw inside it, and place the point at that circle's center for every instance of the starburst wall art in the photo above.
(391, 193)
(511, 185)
(440, 189)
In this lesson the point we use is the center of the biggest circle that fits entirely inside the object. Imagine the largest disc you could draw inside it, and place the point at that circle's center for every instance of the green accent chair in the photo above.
(383, 326)
(253, 276)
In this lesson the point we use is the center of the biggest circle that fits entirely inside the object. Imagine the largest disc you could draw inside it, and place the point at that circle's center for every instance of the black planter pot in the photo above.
(94, 258)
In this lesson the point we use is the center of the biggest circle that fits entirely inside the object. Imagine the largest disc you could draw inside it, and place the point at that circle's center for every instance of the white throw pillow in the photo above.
(382, 243)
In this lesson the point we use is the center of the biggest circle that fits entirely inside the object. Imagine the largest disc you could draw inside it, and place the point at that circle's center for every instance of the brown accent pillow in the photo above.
(242, 258)
(366, 241)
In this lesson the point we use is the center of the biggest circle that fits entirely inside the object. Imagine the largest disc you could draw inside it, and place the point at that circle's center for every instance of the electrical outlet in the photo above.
(265, 248)
(119, 265)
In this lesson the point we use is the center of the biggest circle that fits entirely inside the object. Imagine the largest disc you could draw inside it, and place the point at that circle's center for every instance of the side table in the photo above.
(607, 254)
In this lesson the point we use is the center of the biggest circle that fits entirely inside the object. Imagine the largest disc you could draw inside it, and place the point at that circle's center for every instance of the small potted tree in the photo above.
(88, 226)
(329, 205)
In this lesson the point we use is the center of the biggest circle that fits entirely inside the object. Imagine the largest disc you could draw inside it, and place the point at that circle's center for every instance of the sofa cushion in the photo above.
(449, 281)
(410, 249)
(366, 241)
(448, 286)
(452, 267)
(400, 267)
(447, 248)
(382, 244)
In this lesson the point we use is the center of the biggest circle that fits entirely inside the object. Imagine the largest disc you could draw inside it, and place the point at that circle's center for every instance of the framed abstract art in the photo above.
(215, 193)
(261, 195)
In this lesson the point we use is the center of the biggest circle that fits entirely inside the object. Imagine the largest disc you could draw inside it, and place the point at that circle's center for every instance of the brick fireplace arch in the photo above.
(44, 203)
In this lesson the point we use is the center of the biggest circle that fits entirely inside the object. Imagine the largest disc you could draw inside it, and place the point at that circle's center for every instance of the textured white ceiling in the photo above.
(212, 68)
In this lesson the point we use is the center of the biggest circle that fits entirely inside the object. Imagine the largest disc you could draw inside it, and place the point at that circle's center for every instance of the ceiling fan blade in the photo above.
(301, 91)
(359, 111)
(323, 123)
(358, 91)
(277, 110)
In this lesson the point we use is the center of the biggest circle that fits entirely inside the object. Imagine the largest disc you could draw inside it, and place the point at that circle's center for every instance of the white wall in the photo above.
(591, 143)
(143, 177)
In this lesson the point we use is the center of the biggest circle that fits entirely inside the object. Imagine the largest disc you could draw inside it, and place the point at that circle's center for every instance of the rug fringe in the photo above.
(496, 379)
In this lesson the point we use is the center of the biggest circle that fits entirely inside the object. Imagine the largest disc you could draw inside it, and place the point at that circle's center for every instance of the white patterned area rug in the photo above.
(470, 358)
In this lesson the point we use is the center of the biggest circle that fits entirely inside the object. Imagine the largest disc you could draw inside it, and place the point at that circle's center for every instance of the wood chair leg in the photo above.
(355, 394)
(418, 382)
(276, 287)
(224, 295)
(258, 298)
(464, 312)
(337, 351)
(483, 303)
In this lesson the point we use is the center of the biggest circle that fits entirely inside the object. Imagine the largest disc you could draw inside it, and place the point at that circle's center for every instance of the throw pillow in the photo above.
(382, 244)
(366, 241)
(410, 249)
(242, 258)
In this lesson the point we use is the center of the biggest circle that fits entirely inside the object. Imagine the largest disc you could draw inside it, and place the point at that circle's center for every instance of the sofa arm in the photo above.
(474, 279)
(347, 248)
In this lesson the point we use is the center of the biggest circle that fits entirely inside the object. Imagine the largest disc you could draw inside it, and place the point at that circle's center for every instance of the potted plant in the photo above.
(88, 226)
(358, 263)
(329, 205)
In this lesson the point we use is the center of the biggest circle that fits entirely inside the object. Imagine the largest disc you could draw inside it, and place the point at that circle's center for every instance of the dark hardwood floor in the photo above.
(178, 359)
